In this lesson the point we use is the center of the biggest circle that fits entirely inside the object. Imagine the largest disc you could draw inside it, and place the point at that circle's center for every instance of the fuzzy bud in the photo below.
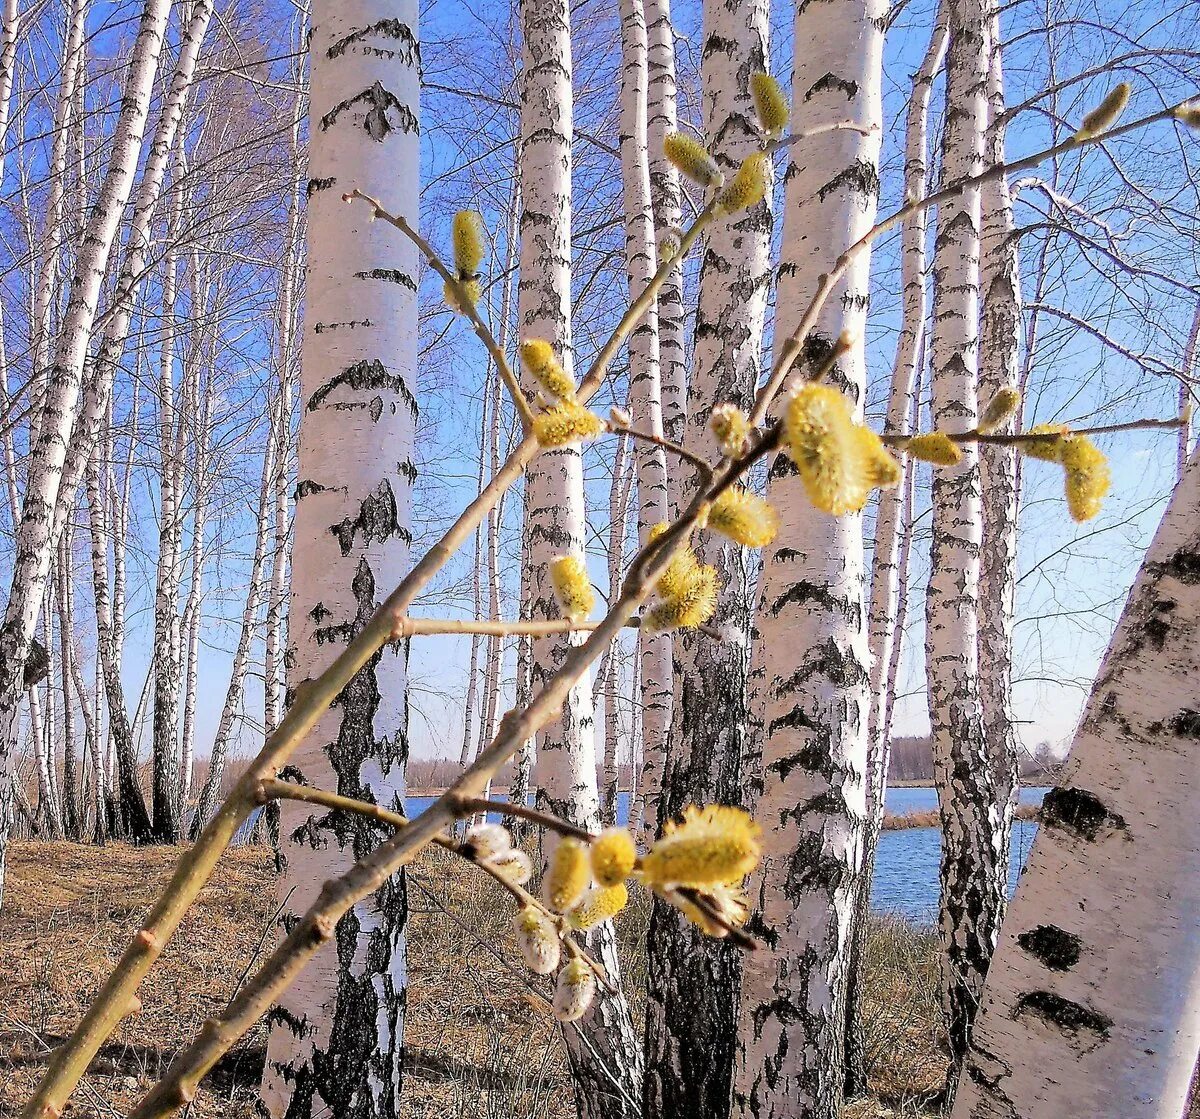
(748, 187)
(1189, 114)
(691, 158)
(600, 903)
(692, 606)
(513, 865)
(614, 855)
(566, 423)
(1106, 114)
(572, 588)
(1086, 476)
(538, 940)
(1000, 410)
(537, 355)
(731, 428)
(567, 876)
(712, 845)
(1048, 448)
(485, 841)
(744, 517)
(770, 103)
(468, 243)
(470, 288)
(934, 446)
(831, 458)
(574, 992)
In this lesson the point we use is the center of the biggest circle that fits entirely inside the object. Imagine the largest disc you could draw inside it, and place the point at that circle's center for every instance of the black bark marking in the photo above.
(860, 178)
(281, 1016)
(389, 276)
(308, 486)
(319, 612)
(365, 376)
(1070, 1017)
(315, 185)
(408, 48)
(1186, 724)
(829, 82)
(377, 520)
(352, 324)
(1057, 949)
(1184, 565)
(1079, 812)
(378, 101)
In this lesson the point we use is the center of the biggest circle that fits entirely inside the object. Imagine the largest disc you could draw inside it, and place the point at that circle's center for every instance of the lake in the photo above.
(906, 867)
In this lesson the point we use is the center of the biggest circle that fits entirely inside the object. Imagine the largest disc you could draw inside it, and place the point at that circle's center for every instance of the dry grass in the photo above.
(480, 1043)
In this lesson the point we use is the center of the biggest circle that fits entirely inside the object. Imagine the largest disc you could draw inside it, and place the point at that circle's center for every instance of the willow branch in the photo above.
(465, 303)
(466, 806)
(790, 350)
(117, 999)
(703, 469)
(1020, 437)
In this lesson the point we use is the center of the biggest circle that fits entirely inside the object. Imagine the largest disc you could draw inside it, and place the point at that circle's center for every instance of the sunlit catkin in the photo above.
(934, 446)
(1087, 478)
(748, 187)
(680, 573)
(826, 451)
(1000, 409)
(730, 427)
(468, 243)
(744, 517)
(613, 856)
(566, 423)
(567, 876)
(711, 845)
(692, 159)
(537, 355)
(879, 468)
(486, 841)
(537, 939)
(470, 289)
(1047, 442)
(513, 865)
(1106, 114)
(694, 605)
(600, 903)
(574, 991)
(572, 587)
(770, 103)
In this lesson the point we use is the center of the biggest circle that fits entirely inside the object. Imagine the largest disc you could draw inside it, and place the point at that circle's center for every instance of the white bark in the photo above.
(1092, 1003)
(604, 1054)
(336, 1038)
(811, 617)
(34, 545)
(1191, 370)
(691, 1014)
(607, 675)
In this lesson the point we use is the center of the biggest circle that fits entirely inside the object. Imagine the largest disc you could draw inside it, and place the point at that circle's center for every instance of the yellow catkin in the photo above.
(513, 865)
(748, 187)
(1001, 408)
(472, 290)
(566, 423)
(537, 939)
(613, 856)
(1087, 478)
(770, 103)
(567, 876)
(1106, 114)
(878, 466)
(1189, 114)
(1048, 450)
(712, 845)
(691, 158)
(730, 427)
(538, 358)
(827, 452)
(574, 991)
(681, 572)
(935, 447)
(692, 607)
(468, 243)
(730, 902)
(601, 903)
(485, 841)
(744, 517)
(572, 587)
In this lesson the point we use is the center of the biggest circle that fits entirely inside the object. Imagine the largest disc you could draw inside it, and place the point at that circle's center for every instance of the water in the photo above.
(906, 866)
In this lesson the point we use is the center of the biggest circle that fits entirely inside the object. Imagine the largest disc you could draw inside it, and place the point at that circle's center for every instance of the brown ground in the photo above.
(480, 1043)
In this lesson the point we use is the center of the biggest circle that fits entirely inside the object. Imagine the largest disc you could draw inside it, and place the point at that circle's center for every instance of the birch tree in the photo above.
(336, 1039)
(811, 616)
(691, 1015)
(1090, 1003)
(604, 1054)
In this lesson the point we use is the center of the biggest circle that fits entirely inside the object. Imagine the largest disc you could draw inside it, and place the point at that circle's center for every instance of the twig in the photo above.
(703, 469)
(465, 302)
(1019, 437)
(466, 806)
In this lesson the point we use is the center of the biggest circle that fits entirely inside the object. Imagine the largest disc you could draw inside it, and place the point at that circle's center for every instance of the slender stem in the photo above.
(702, 467)
(465, 303)
(1018, 438)
(818, 130)
(738, 935)
(427, 627)
(466, 806)
(787, 354)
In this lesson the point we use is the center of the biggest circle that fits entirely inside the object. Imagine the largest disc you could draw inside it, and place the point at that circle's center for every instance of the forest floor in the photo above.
(481, 1043)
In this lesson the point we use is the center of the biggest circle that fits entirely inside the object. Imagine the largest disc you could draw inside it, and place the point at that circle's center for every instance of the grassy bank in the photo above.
(481, 1045)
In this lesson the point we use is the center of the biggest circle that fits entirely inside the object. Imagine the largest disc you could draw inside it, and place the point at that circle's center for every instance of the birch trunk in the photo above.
(693, 980)
(607, 675)
(972, 862)
(33, 545)
(604, 1055)
(1092, 1002)
(811, 616)
(886, 575)
(65, 596)
(335, 1044)
(645, 394)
